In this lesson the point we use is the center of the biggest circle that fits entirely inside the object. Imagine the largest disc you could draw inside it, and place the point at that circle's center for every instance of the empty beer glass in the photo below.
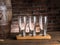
(32, 22)
(22, 25)
(43, 25)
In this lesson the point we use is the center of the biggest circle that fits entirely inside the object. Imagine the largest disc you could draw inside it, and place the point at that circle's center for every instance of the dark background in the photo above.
(51, 8)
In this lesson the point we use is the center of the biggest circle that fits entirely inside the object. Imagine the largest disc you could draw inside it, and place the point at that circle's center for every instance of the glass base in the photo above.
(32, 33)
(42, 33)
(22, 33)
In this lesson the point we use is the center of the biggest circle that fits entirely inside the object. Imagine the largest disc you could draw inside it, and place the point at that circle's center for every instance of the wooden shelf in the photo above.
(34, 37)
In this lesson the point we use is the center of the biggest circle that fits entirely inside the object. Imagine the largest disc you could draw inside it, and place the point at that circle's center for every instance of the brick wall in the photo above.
(50, 8)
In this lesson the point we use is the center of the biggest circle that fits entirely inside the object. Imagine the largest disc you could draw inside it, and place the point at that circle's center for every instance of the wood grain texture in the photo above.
(34, 37)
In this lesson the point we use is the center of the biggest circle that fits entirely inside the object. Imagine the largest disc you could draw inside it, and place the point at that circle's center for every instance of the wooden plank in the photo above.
(34, 37)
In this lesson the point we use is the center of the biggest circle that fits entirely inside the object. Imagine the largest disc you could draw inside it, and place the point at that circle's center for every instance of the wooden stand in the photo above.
(34, 37)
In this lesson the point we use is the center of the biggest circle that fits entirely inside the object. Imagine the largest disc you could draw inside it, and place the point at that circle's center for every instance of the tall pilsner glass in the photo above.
(45, 25)
(32, 22)
(22, 25)
(41, 25)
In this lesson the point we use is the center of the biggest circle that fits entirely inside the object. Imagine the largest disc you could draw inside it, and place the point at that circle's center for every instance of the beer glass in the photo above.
(22, 25)
(32, 22)
(43, 25)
